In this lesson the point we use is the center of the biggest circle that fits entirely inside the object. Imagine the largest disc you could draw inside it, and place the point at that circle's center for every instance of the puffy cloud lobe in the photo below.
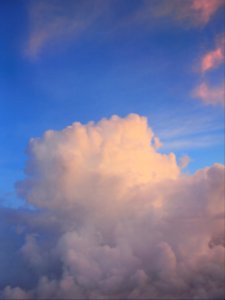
(117, 218)
(113, 154)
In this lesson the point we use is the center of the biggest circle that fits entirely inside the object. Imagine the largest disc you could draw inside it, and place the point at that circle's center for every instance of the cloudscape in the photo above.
(112, 149)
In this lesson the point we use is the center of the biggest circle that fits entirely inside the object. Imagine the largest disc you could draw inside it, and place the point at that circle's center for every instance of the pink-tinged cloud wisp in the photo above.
(213, 59)
(117, 219)
(205, 9)
(193, 13)
(210, 95)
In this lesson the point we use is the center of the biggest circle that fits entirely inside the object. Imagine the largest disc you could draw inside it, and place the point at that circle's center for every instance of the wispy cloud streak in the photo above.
(50, 21)
(195, 130)
(213, 59)
(210, 95)
(192, 13)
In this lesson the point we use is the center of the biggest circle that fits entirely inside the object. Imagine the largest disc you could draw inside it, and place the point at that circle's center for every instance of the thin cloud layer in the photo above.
(52, 21)
(184, 161)
(205, 9)
(212, 60)
(210, 95)
(115, 219)
(213, 95)
(193, 13)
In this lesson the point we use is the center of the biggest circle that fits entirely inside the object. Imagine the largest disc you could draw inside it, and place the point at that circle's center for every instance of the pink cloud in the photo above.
(50, 21)
(205, 9)
(184, 161)
(210, 95)
(191, 13)
(212, 59)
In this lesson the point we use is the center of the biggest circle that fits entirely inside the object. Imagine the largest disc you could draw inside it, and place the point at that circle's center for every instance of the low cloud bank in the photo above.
(114, 218)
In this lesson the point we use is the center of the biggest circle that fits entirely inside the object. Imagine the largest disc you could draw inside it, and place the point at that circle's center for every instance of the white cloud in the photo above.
(118, 219)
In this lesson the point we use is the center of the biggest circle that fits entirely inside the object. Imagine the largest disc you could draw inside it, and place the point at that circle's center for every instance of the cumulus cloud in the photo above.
(115, 218)
(210, 95)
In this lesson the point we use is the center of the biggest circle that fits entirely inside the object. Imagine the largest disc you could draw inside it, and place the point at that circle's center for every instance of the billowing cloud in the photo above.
(115, 218)
(210, 95)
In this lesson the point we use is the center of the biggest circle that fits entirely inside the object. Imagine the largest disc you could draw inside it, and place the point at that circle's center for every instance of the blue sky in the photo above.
(66, 61)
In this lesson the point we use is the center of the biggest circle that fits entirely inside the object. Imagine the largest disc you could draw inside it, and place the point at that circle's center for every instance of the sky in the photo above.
(85, 60)
(110, 101)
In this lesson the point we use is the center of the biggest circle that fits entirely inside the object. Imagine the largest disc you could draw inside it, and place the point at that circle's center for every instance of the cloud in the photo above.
(213, 95)
(194, 142)
(86, 156)
(192, 13)
(210, 95)
(184, 161)
(194, 130)
(213, 59)
(114, 218)
(205, 9)
(52, 21)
